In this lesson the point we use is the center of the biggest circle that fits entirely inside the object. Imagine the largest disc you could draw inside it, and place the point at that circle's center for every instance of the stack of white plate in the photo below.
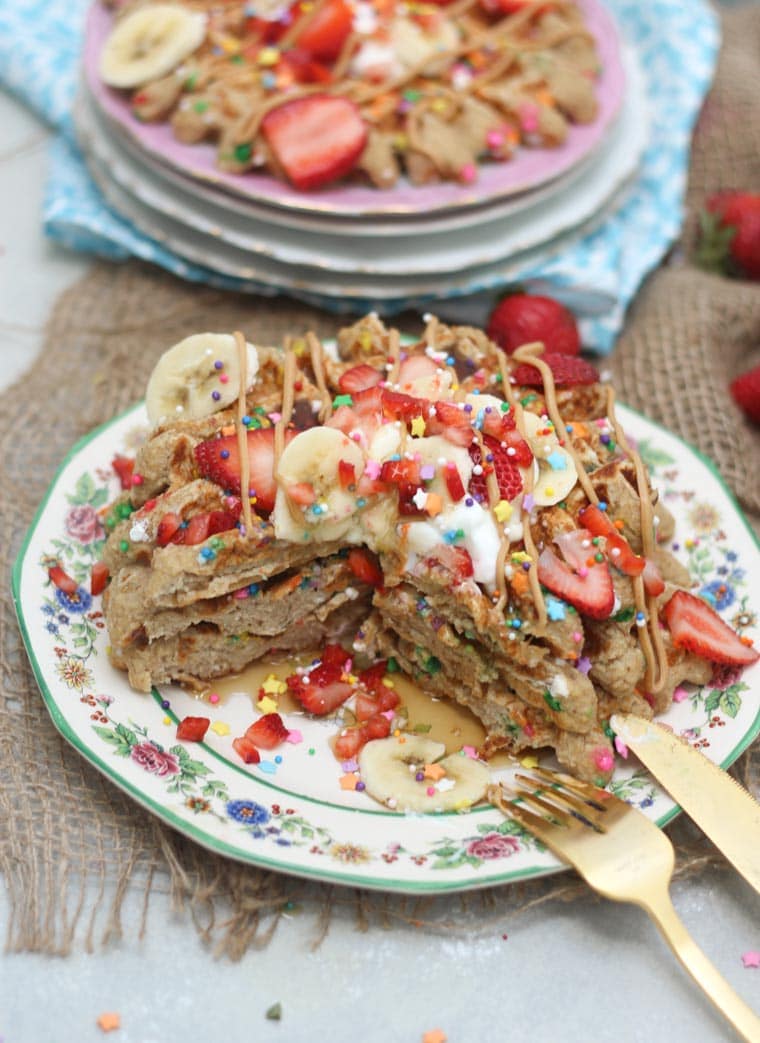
(356, 242)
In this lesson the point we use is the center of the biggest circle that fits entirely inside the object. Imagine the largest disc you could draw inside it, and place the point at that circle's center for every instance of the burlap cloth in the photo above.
(71, 844)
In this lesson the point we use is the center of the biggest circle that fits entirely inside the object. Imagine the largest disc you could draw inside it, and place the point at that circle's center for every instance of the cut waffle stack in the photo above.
(480, 519)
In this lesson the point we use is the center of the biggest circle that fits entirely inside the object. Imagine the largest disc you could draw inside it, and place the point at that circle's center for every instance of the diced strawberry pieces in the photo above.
(349, 742)
(218, 460)
(334, 657)
(508, 476)
(304, 67)
(497, 422)
(567, 370)
(62, 580)
(169, 530)
(267, 732)
(124, 467)
(246, 750)
(619, 550)
(453, 479)
(377, 727)
(456, 559)
(324, 35)
(316, 139)
(319, 697)
(358, 378)
(397, 406)
(373, 676)
(222, 521)
(365, 566)
(654, 584)
(522, 454)
(98, 578)
(346, 474)
(302, 493)
(368, 703)
(453, 423)
(415, 367)
(403, 472)
(591, 594)
(193, 729)
(697, 627)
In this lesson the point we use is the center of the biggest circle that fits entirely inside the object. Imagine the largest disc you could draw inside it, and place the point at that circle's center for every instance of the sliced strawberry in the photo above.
(453, 423)
(415, 367)
(576, 547)
(508, 475)
(654, 584)
(98, 578)
(193, 729)
(365, 566)
(169, 530)
(368, 704)
(266, 733)
(456, 559)
(369, 402)
(377, 727)
(454, 484)
(346, 474)
(218, 460)
(197, 529)
(592, 594)
(522, 454)
(62, 580)
(568, 371)
(358, 378)
(697, 627)
(124, 467)
(397, 406)
(619, 550)
(316, 139)
(323, 37)
(334, 657)
(246, 750)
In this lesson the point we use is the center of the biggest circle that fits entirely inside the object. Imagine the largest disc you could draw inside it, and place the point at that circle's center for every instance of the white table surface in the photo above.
(585, 972)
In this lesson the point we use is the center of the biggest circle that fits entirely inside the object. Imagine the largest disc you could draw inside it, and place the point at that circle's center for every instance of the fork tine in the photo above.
(534, 824)
(598, 797)
(580, 807)
(532, 800)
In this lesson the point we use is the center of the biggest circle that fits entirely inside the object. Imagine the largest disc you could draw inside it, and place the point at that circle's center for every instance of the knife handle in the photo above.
(712, 983)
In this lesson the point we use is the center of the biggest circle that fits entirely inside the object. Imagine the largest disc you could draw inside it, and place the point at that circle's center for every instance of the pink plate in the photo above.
(529, 169)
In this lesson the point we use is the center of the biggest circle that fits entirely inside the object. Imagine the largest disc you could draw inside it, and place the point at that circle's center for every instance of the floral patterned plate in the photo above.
(289, 813)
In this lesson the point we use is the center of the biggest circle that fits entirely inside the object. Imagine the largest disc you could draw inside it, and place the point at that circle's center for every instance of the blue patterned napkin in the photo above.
(597, 275)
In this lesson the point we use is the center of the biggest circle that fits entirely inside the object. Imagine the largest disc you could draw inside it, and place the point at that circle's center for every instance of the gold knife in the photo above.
(724, 810)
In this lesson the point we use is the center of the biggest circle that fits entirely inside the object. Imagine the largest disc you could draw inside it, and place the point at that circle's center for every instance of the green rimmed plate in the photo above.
(292, 816)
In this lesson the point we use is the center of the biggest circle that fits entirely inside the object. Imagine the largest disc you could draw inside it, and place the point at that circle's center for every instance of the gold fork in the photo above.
(622, 855)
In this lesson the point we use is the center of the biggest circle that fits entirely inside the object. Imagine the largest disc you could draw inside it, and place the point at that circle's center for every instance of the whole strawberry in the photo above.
(746, 393)
(522, 318)
(730, 234)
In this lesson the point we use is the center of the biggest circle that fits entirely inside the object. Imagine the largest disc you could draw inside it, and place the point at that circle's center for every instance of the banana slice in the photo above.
(149, 43)
(554, 468)
(197, 377)
(556, 477)
(311, 502)
(389, 770)
(415, 46)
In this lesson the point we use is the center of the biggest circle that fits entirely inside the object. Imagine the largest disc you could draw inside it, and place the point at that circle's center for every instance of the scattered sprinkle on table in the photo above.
(109, 1021)
(434, 1036)
(751, 958)
(274, 1013)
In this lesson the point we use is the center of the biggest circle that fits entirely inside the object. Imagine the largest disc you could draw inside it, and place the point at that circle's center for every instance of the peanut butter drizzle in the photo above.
(346, 54)
(242, 431)
(394, 349)
(530, 547)
(288, 396)
(317, 364)
(652, 644)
